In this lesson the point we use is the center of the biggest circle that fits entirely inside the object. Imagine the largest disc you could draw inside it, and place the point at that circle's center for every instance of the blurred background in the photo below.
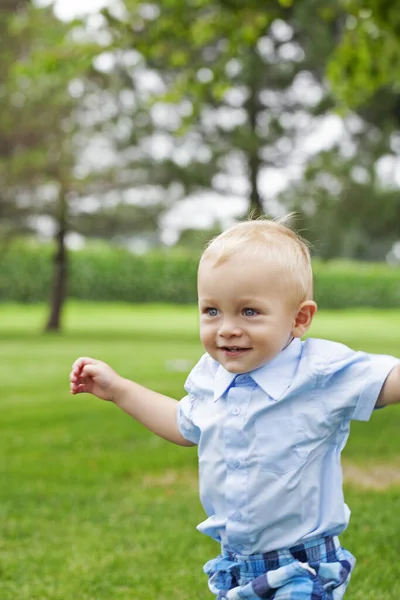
(130, 133)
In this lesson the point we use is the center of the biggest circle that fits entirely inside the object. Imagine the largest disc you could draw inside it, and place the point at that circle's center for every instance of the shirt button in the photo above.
(237, 516)
(235, 410)
(234, 464)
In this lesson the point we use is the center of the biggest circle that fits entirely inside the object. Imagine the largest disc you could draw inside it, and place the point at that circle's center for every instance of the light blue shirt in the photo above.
(269, 441)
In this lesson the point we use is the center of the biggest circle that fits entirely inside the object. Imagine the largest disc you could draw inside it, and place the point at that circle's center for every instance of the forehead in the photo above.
(240, 261)
(238, 275)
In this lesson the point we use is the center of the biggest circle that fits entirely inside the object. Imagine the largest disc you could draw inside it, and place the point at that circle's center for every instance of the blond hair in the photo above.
(273, 240)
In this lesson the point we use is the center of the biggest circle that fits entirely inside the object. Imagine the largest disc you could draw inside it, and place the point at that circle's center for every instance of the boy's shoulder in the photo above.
(203, 374)
(325, 349)
(326, 357)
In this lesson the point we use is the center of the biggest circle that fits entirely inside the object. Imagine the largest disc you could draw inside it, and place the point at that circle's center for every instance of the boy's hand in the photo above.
(153, 410)
(93, 377)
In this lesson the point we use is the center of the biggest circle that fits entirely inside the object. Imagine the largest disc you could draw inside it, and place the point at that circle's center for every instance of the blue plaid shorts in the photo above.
(315, 570)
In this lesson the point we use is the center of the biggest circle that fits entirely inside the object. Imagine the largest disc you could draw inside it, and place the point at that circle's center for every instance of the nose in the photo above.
(229, 328)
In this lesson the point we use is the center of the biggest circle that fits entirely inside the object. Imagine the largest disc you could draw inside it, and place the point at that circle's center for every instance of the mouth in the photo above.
(233, 350)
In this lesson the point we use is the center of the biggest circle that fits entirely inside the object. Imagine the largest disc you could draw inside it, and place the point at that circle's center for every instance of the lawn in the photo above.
(93, 507)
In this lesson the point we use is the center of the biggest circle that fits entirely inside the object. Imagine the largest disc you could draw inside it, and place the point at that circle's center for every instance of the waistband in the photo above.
(310, 551)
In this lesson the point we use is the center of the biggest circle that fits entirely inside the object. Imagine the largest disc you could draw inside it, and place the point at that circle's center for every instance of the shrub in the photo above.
(106, 274)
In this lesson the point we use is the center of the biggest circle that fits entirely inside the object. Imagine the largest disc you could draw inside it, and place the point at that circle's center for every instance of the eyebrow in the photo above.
(244, 300)
(250, 300)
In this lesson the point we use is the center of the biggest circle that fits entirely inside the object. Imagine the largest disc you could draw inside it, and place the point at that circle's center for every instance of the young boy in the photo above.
(270, 415)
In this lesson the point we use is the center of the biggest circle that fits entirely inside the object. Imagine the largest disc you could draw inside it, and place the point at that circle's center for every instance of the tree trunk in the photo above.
(59, 285)
(256, 208)
(254, 162)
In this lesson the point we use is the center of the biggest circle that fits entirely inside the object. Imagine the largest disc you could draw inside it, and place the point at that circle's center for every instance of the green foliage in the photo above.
(25, 273)
(39, 63)
(366, 60)
(102, 274)
(107, 274)
(341, 284)
(341, 207)
(119, 275)
(367, 57)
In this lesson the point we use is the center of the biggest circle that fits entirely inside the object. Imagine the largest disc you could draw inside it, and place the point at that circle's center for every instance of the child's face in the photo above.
(246, 311)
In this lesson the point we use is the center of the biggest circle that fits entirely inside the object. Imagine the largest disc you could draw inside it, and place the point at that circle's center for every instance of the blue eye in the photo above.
(250, 312)
(212, 312)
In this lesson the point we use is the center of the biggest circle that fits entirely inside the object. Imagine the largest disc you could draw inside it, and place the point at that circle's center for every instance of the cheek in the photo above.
(268, 338)
(206, 333)
(203, 331)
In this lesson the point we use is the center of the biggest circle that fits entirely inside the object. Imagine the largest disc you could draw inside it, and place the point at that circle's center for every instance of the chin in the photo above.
(235, 371)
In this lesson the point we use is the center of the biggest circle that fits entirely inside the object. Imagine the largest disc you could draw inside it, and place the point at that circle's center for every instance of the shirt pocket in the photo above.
(279, 447)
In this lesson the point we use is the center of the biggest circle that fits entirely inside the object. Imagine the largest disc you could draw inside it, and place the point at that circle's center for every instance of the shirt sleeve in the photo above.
(185, 423)
(186, 407)
(355, 380)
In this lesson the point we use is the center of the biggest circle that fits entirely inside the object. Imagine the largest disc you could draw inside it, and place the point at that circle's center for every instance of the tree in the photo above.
(235, 77)
(343, 208)
(37, 152)
(263, 66)
(13, 215)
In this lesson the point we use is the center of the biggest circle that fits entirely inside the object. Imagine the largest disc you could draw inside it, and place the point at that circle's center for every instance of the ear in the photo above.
(304, 316)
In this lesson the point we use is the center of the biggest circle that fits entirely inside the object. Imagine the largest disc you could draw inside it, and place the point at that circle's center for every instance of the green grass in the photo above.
(94, 507)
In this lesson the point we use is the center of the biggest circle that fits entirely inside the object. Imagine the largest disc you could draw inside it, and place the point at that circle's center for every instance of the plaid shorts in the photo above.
(315, 570)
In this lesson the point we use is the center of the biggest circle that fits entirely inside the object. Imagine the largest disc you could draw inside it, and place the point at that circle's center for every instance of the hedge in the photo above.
(345, 284)
(108, 274)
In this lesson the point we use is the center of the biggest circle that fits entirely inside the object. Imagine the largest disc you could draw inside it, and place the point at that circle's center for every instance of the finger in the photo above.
(79, 389)
(82, 361)
(89, 370)
(78, 366)
(74, 376)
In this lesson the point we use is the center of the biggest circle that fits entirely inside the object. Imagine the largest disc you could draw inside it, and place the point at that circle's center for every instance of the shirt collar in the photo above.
(273, 378)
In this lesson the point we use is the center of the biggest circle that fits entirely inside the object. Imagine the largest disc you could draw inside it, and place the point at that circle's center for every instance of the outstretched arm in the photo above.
(390, 392)
(153, 410)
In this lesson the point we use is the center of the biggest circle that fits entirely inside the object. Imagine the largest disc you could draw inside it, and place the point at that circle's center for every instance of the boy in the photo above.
(270, 415)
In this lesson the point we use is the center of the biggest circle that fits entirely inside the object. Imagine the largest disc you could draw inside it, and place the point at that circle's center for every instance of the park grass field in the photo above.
(94, 507)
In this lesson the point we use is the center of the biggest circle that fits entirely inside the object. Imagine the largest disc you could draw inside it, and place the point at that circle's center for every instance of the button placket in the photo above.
(235, 448)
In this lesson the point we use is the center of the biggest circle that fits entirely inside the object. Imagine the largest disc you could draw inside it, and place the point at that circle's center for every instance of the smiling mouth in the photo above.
(233, 349)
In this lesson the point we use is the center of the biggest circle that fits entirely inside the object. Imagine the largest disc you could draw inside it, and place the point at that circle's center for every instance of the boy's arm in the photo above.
(156, 412)
(390, 392)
